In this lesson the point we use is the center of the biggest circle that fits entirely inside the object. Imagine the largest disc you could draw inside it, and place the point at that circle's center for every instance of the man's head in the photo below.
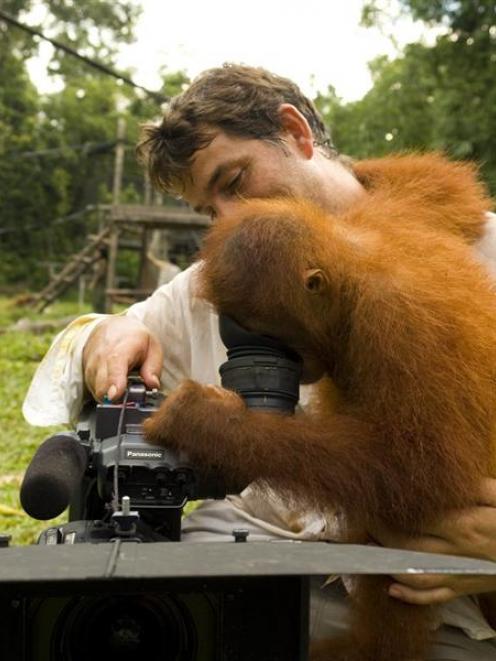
(242, 132)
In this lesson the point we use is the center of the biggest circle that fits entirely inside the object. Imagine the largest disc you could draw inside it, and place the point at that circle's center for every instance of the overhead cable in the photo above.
(88, 148)
(103, 68)
(39, 226)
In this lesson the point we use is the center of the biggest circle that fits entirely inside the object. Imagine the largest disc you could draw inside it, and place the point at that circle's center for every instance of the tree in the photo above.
(93, 27)
(41, 177)
(431, 97)
(460, 16)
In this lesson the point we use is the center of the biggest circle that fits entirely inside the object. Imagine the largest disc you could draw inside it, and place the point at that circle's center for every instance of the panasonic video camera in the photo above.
(115, 484)
(119, 487)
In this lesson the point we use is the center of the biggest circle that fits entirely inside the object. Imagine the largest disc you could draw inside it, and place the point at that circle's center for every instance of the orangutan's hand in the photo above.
(188, 417)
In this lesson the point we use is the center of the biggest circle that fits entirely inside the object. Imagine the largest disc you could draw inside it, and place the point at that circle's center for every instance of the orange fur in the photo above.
(405, 326)
(457, 198)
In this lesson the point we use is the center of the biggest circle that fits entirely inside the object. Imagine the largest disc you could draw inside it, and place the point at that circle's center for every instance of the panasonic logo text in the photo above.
(144, 454)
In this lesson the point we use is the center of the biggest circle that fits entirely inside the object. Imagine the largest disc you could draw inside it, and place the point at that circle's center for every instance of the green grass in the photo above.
(20, 353)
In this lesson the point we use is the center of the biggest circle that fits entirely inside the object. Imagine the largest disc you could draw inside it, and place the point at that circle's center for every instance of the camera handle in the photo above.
(124, 520)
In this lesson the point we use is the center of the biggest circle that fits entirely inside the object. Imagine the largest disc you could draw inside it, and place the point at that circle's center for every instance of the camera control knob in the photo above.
(240, 534)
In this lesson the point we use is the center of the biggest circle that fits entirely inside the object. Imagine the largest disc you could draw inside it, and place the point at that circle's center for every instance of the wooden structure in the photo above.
(74, 268)
(118, 220)
(124, 217)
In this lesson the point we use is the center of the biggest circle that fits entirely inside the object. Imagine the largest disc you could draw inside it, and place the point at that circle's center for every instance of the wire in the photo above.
(115, 500)
(88, 148)
(103, 68)
(56, 221)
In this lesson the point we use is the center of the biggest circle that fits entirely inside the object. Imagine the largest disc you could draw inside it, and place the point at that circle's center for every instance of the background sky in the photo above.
(315, 42)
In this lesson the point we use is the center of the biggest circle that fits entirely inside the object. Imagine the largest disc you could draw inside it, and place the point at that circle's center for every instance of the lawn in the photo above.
(20, 353)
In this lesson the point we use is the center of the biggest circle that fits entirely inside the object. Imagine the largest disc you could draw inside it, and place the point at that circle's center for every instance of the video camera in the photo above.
(123, 492)
(105, 467)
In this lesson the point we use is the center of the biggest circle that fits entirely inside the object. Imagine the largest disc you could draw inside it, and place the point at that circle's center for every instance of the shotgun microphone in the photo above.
(53, 476)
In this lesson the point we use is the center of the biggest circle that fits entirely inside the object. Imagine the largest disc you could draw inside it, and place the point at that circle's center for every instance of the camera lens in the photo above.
(124, 628)
(262, 370)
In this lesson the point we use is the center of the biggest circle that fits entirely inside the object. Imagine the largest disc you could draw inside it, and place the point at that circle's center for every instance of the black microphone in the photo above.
(53, 476)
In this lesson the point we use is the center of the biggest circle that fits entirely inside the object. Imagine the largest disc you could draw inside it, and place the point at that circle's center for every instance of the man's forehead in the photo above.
(221, 148)
(194, 180)
(221, 151)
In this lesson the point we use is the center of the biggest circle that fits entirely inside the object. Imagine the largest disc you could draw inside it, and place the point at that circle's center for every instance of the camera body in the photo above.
(121, 471)
(154, 481)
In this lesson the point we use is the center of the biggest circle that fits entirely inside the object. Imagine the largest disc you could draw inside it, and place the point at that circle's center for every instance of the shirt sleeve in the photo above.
(185, 325)
(57, 390)
(187, 329)
(486, 246)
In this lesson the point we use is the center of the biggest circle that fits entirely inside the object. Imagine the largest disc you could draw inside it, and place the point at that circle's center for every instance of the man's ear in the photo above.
(294, 123)
(315, 281)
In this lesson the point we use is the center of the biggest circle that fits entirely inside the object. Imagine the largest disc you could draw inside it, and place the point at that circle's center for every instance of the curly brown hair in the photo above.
(241, 100)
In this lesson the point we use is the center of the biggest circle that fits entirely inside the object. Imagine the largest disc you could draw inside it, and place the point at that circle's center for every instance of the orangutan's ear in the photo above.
(315, 281)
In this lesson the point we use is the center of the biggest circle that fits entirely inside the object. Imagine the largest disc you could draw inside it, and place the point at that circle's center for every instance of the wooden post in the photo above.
(148, 190)
(112, 259)
(143, 265)
(116, 193)
(119, 160)
(81, 291)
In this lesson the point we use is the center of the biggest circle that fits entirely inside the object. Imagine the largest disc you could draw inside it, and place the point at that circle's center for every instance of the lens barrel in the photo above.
(259, 368)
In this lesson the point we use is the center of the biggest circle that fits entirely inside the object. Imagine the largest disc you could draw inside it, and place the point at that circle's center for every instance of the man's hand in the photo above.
(116, 346)
(469, 532)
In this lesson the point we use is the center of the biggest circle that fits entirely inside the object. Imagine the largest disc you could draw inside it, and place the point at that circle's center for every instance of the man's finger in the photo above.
(422, 581)
(421, 597)
(101, 382)
(152, 364)
(116, 378)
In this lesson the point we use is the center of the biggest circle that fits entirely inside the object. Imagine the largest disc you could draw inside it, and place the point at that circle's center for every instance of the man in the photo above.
(236, 133)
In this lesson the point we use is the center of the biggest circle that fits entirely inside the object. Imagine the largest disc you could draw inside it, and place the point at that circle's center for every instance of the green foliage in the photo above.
(439, 97)
(57, 151)
(460, 15)
(92, 27)
(464, 16)
(23, 183)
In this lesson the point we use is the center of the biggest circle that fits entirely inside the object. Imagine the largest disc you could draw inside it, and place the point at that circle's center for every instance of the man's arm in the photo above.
(63, 381)
(56, 392)
(470, 532)
(102, 349)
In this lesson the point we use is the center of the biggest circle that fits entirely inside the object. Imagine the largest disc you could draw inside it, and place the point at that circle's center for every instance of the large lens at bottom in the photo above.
(124, 628)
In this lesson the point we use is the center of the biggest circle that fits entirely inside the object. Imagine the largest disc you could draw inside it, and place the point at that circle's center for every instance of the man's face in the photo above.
(230, 169)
